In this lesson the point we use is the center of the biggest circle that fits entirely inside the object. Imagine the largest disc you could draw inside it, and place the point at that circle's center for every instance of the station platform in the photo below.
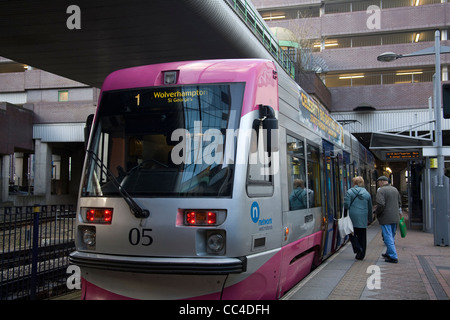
(422, 272)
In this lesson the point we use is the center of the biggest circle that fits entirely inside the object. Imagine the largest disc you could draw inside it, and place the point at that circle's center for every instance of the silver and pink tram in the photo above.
(188, 185)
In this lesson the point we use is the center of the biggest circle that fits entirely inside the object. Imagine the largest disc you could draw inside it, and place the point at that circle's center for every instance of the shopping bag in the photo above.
(402, 224)
(345, 224)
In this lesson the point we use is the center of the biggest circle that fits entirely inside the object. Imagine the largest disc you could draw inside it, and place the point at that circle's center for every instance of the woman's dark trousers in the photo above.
(359, 242)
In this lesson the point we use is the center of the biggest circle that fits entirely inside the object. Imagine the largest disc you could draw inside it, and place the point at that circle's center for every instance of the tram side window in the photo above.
(296, 171)
(314, 175)
(260, 168)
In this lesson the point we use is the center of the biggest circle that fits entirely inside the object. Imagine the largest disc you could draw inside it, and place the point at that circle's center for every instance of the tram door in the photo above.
(333, 197)
(347, 179)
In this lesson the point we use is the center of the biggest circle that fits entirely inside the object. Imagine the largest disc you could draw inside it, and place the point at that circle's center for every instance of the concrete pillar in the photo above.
(64, 174)
(77, 166)
(42, 168)
(5, 165)
(428, 225)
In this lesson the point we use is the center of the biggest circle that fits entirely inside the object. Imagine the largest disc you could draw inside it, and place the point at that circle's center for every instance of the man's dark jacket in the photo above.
(388, 201)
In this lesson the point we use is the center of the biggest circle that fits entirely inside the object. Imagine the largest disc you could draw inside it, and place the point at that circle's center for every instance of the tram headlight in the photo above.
(87, 237)
(215, 242)
(170, 77)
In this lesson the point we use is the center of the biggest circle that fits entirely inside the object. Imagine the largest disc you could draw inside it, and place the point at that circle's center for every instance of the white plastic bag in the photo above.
(345, 224)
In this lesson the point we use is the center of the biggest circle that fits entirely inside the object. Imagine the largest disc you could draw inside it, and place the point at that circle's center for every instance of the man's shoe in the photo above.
(384, 255)
(390, 260)
(359, 255)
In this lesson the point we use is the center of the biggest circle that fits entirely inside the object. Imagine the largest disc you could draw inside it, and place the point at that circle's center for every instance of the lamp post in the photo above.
(441, 188)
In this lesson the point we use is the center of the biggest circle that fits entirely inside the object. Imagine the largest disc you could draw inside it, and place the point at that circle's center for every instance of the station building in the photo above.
(42, 119)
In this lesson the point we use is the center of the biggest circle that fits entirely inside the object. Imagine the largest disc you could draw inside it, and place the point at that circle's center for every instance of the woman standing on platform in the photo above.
(359, 204)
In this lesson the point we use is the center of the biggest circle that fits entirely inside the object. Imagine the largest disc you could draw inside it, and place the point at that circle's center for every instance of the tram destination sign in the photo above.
(317, 118)
(403, 155)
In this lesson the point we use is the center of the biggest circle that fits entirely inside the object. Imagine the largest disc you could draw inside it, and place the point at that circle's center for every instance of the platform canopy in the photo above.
(397, 147)
(86, 40)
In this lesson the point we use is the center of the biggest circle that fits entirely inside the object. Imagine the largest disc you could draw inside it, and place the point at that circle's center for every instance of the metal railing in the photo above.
(35, 242)
(255, 23)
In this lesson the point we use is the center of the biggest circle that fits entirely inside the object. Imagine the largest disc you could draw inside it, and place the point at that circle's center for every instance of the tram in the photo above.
(188, 183)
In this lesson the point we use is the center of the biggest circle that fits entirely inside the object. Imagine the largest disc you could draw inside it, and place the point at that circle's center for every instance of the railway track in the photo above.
(34, 250)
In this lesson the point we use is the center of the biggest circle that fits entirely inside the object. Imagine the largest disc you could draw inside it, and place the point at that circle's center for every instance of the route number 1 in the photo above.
(138, 99)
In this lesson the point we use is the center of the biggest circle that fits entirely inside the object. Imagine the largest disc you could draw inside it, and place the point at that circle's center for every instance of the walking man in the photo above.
(388, 201)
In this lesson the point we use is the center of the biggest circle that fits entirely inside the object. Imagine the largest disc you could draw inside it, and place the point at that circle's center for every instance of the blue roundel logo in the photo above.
(254, 212)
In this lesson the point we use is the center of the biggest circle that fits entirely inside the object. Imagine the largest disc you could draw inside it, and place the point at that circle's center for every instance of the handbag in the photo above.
(345, 224)
(402, 224)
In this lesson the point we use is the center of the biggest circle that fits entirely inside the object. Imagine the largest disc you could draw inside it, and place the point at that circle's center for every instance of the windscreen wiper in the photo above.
(137, 211)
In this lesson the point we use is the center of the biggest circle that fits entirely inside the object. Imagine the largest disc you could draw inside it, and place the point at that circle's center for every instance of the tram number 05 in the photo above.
(142, 237)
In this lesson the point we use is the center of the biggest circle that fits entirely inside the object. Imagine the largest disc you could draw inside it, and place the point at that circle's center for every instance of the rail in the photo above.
(253, 20)
(35, 243)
